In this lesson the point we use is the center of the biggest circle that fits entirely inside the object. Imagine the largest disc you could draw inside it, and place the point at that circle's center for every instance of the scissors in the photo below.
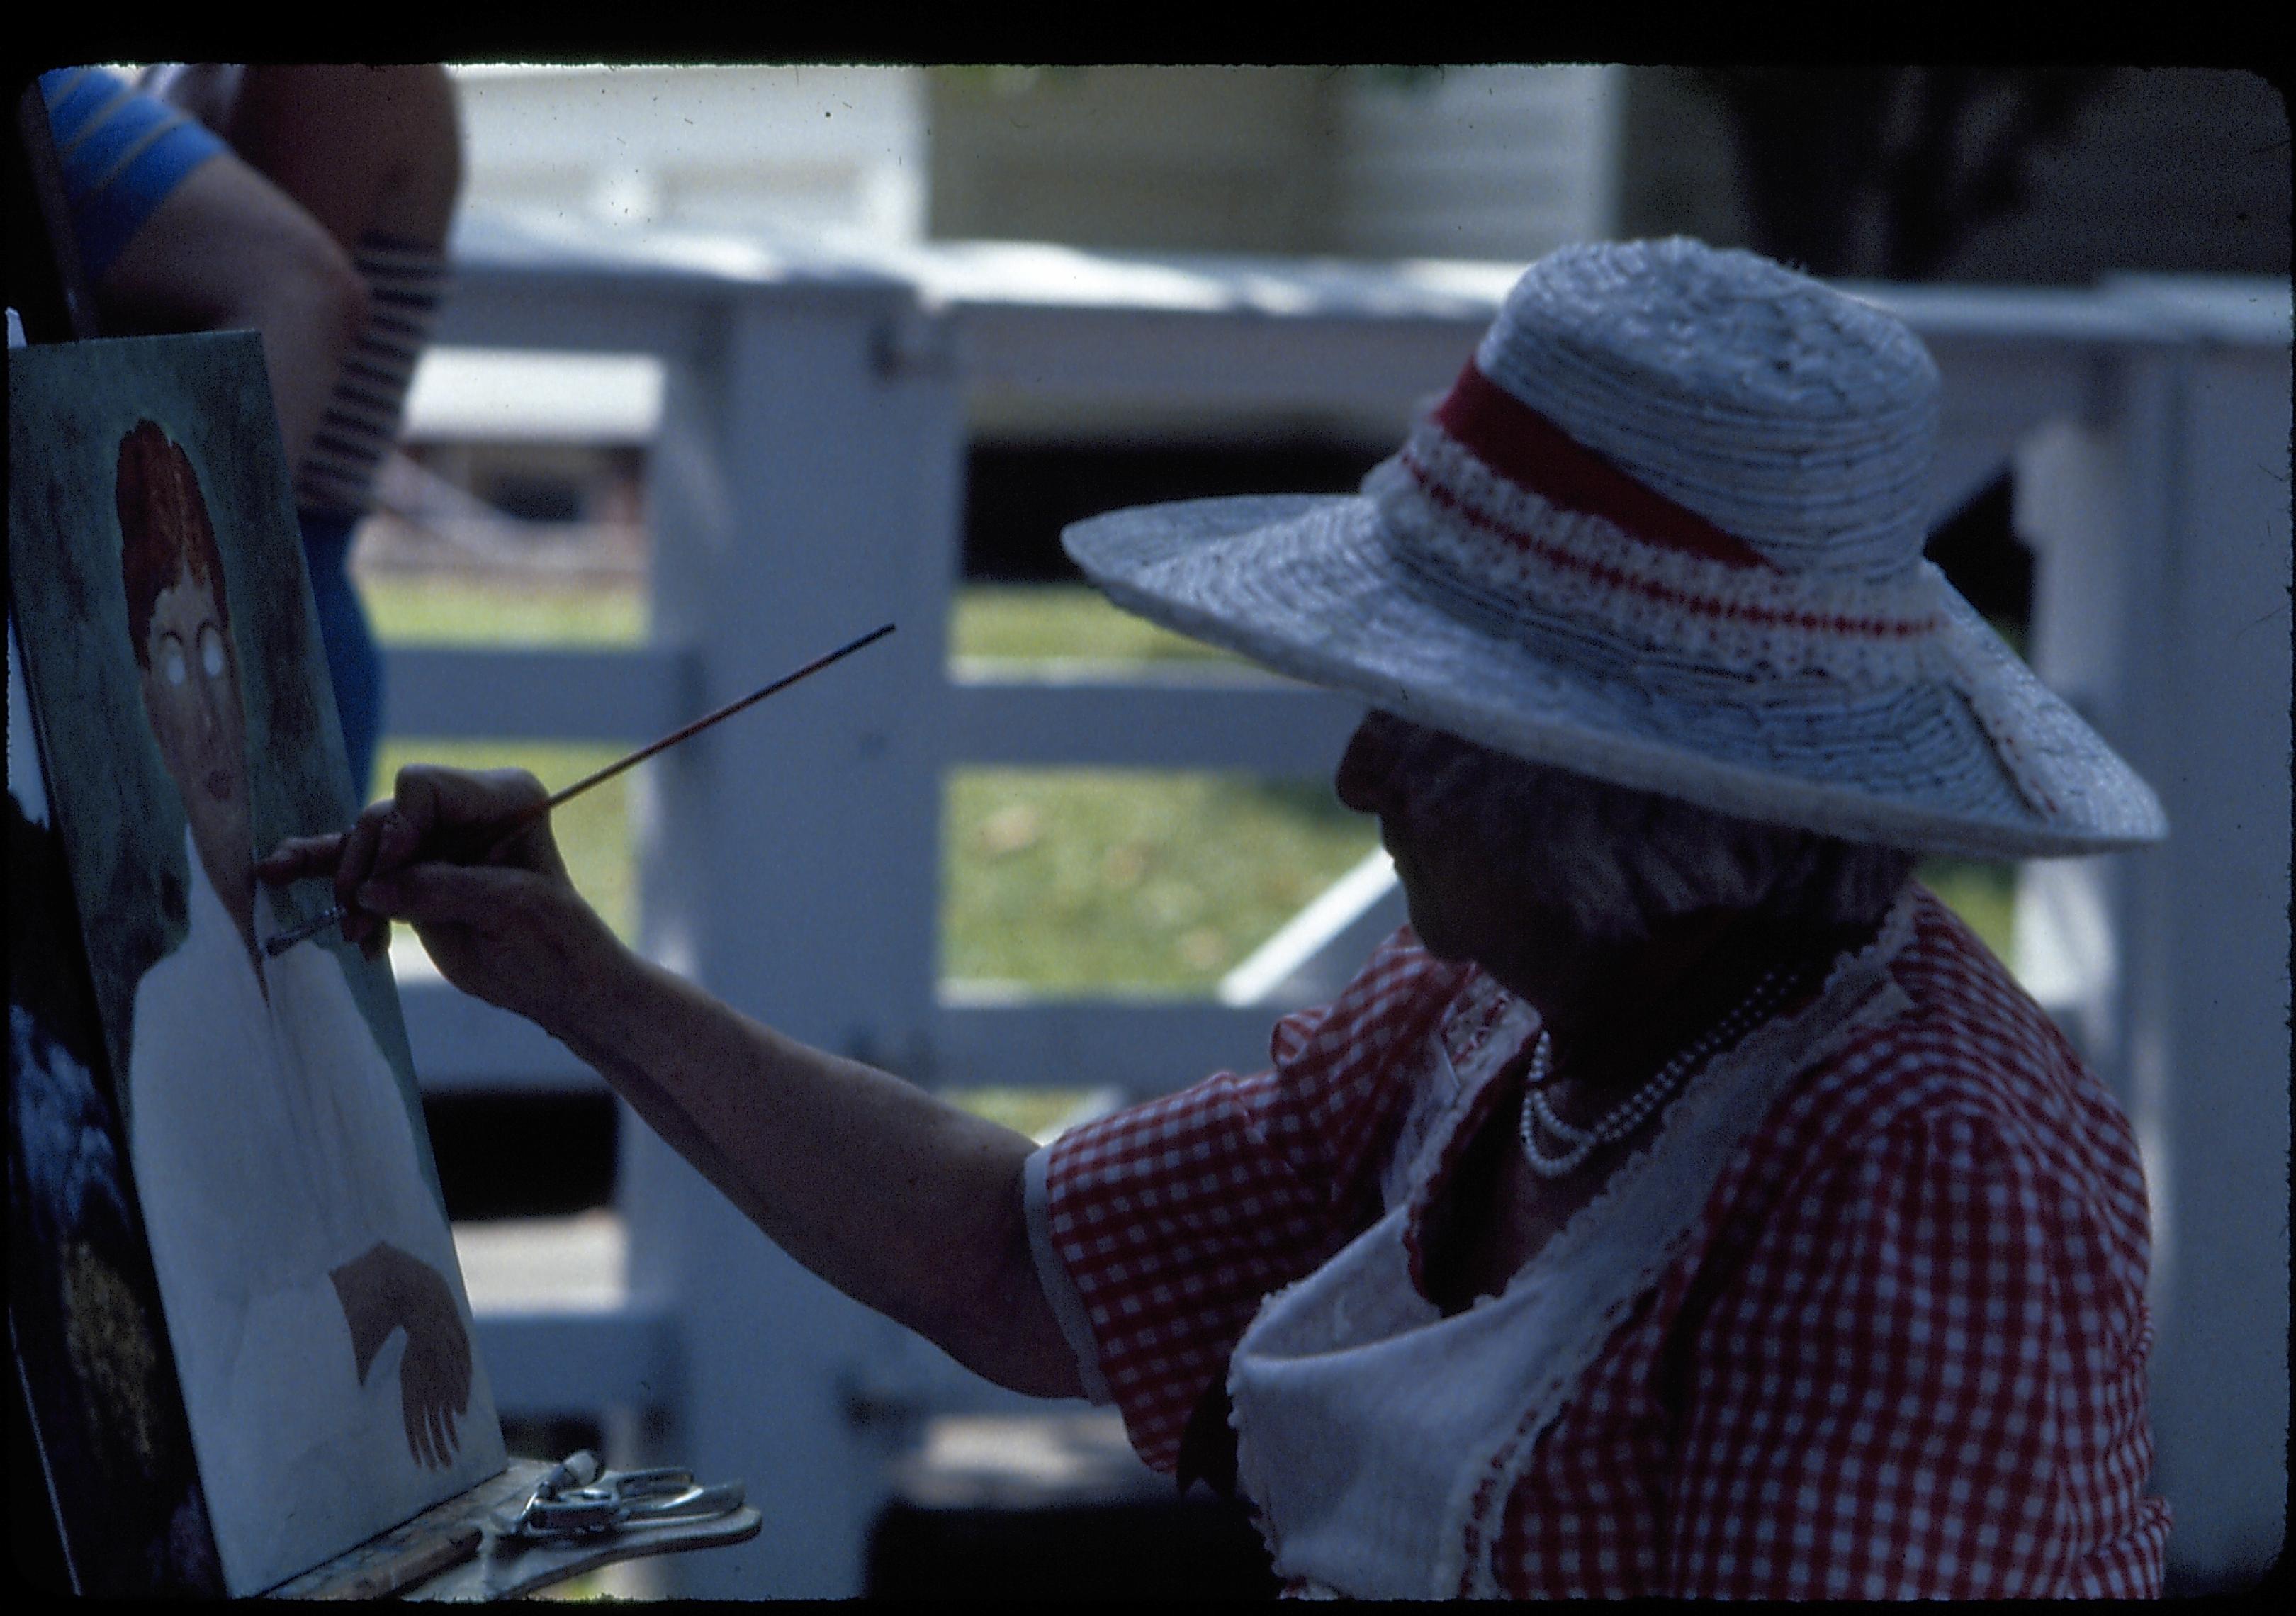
(577, 1499)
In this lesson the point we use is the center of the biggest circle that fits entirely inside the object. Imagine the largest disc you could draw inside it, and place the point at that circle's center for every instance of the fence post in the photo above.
(2162, 610)
(2206, 993)
(805, 490)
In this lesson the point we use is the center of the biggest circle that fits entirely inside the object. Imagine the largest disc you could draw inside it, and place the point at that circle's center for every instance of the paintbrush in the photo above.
(319, 923)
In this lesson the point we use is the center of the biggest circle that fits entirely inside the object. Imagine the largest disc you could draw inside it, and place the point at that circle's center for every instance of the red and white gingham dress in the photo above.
(1901, 1353)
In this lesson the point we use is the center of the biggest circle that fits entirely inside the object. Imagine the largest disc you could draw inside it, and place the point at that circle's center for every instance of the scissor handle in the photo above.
(610, 1500)
(646, 1483)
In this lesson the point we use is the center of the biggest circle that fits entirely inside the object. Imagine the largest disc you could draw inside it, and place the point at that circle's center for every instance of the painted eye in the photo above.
(211, 650)
(171, 660)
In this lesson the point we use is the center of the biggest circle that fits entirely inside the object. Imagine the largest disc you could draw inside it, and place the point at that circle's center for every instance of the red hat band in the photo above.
(1493, 490)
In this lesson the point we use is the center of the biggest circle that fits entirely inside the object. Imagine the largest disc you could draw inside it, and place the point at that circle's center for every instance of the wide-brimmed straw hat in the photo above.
(1665, 530)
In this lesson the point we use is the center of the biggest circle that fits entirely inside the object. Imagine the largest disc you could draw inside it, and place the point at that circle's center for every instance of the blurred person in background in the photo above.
(310, 204)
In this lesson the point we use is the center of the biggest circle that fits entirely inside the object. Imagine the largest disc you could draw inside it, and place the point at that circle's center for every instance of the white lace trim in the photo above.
(1621, 1241)
(1348, 1330)
(1439, 499)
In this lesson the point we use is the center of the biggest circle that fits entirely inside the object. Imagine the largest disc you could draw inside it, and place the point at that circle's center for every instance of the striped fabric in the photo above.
(120, 153)
(405, 282)
(1903, 1352)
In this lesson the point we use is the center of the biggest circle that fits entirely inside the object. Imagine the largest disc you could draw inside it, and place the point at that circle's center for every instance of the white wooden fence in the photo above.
(807, 485)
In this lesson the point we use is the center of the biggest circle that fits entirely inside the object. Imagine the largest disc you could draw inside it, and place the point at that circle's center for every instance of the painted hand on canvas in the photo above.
(385, 1290)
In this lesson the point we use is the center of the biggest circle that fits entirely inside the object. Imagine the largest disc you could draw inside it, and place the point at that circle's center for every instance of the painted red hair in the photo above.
(164, 530)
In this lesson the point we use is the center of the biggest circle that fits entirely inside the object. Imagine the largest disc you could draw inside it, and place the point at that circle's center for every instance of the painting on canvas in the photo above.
(313, 1306)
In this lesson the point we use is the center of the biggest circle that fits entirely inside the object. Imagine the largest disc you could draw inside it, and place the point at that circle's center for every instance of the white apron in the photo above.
(1380, 1441)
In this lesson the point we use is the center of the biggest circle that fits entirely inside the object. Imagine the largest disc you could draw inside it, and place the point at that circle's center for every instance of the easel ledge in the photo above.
(452, 1551)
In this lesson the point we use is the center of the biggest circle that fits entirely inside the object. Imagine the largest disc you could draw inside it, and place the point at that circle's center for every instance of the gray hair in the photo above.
(1621, 861)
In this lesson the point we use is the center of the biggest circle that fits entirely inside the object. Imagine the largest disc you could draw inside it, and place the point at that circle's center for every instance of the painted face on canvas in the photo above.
(190, 691)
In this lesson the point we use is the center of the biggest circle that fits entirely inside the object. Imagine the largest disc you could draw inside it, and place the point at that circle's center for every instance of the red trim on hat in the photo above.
(1527, 448)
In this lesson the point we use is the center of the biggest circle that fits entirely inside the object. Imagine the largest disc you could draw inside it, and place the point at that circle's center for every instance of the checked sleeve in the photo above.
(1168, 1222)
(1918, 1384)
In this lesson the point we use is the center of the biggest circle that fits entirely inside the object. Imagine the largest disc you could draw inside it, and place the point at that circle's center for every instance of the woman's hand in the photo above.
(499, 917)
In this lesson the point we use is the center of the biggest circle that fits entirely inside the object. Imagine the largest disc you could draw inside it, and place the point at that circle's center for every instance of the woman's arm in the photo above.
(904, 1202)
(899, 1199)
(228, 250)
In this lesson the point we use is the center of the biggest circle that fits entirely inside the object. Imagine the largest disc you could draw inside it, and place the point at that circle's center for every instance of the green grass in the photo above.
(1984, 895)
(463, 610)
(1069, 881)
(1037, 1112)
(1025, 622)
(1076, 881)
(998, 622)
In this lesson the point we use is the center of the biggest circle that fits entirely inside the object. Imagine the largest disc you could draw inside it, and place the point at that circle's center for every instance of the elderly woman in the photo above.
(1684, 1202)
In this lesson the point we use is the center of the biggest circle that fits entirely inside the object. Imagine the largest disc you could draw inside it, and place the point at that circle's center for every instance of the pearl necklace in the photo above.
(1630, 1113)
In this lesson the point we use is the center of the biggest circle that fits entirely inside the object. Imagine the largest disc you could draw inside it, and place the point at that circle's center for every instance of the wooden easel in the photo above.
(453, 1551)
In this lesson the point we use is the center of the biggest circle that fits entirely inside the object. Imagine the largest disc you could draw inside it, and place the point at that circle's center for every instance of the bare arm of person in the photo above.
(228, 250)
(904, 1202)
(360, 147)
